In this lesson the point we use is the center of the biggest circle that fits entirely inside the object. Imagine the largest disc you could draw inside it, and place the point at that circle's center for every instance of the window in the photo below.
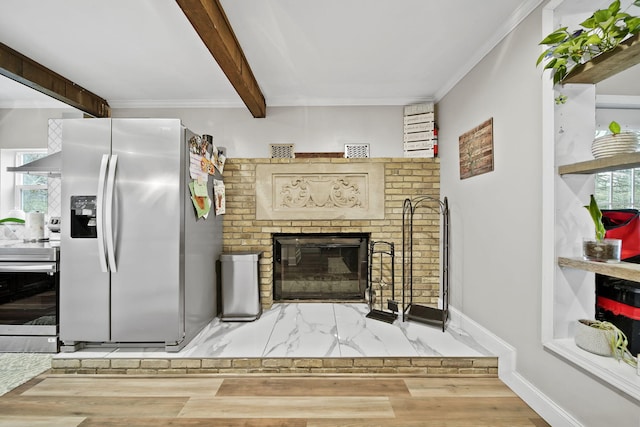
(618, 189)
(30, 190)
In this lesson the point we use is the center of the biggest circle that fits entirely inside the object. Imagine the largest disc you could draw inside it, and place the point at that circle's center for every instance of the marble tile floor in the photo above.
(315, 330)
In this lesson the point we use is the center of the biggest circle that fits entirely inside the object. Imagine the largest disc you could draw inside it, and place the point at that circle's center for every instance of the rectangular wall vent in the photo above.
(282, 151)
(352, 151)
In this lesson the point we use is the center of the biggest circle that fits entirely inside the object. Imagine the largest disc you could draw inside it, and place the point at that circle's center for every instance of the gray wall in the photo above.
(496, 225)
(27, 128)
(311, 129)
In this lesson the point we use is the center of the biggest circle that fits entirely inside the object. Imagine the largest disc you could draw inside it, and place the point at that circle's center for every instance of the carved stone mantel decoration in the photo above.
(319, 191)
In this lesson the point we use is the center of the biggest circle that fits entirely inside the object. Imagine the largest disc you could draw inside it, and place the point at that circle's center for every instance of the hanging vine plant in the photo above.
(601, 32)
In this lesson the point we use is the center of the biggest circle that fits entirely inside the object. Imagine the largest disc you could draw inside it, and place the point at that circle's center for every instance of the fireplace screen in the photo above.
(319, 266)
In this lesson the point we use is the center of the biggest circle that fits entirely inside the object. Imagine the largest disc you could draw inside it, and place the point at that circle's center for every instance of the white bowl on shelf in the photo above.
(610, 145)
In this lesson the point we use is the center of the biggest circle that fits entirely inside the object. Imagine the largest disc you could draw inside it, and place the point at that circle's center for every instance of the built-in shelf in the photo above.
(558, 329)
(608, 64)
(621, 270)
(614, 372)
(605, 164)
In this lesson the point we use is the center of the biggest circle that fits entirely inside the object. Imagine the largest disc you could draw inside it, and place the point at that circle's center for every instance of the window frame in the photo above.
(19, 185)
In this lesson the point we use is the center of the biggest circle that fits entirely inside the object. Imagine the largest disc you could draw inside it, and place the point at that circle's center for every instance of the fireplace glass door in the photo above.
(320, 267)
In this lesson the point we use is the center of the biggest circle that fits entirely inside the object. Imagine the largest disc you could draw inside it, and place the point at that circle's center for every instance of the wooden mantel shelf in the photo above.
(621, 270)
(623, 56)
(604, 164)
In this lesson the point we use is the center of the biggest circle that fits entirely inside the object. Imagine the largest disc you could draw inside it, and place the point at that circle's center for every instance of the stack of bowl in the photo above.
(610, 145)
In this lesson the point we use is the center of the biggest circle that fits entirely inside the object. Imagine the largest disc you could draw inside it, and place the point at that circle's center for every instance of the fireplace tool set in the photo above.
(381, 267)
(381, 275)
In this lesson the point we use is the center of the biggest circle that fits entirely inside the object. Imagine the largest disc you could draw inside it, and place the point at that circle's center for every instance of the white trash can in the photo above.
(240, 286)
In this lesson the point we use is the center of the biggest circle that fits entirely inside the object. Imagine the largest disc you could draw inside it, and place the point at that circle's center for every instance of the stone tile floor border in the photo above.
(18, 368)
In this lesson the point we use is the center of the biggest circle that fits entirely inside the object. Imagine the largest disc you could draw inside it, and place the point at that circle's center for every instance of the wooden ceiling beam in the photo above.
(24, 70)
(210, 22)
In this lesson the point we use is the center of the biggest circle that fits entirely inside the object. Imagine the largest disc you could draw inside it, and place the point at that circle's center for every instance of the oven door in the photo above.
(29, 307)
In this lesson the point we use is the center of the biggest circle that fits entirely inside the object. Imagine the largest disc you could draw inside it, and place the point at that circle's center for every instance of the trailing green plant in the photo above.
(596, 216)
(618, 341)
(601, 32)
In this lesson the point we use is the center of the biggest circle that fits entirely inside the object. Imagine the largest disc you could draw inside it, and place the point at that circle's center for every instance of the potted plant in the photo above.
(605, 339)
(598, 248)
(601, 32)
(616, 142)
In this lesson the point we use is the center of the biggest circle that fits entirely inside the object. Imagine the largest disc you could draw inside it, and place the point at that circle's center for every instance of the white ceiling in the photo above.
(144, 53)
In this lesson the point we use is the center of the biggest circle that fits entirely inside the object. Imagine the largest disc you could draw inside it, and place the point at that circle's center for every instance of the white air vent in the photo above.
(356, 150)
(281, 151)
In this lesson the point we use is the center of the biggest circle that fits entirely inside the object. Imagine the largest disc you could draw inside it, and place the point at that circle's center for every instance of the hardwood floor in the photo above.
(262, 401)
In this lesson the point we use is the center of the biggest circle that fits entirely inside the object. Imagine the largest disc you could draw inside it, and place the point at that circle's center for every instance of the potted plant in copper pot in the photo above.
(598, 248)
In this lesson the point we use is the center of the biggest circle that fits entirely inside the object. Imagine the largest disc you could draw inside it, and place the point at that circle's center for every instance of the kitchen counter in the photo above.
(19, 250)
(23, 244)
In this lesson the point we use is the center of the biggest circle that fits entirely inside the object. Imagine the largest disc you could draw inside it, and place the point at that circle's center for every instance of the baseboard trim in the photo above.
(507, 372)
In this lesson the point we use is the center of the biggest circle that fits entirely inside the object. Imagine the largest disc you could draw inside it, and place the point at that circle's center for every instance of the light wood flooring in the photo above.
(263, 401)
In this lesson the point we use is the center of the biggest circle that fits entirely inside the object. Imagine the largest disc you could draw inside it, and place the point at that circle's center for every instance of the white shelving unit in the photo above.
(568, 280)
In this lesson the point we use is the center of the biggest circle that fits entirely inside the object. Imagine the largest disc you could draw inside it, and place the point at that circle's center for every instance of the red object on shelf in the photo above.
(623, 224)
(618, 302)
(618, 308)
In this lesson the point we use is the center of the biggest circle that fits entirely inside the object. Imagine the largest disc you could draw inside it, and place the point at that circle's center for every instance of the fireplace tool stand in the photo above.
(381, 256)
(411, 310)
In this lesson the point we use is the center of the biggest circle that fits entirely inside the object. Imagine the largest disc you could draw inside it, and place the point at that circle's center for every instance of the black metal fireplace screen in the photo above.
(320, 266)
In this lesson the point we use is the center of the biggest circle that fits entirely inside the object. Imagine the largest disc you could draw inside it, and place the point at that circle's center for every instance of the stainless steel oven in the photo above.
(29, 284)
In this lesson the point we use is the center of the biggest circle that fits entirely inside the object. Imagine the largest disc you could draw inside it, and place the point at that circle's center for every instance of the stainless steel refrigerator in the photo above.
(136, 265)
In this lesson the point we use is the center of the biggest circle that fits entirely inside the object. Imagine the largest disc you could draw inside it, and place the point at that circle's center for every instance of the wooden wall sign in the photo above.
(476, 150)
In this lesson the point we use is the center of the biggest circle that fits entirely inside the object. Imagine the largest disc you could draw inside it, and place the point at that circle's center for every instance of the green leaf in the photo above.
(614, 7)
(596, 216)
(559, 74)
(541, 57)
(594, 39)
(633, 24)
(614, 127)
(11, 219)
(589, 23)
(555, 37)
(602, 16)
(552, 63)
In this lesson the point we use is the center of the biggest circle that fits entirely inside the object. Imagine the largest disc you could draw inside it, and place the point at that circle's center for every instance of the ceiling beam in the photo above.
(211, 24)
(24, 70)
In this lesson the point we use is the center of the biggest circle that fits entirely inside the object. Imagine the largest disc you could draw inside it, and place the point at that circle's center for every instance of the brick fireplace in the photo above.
(246, 227)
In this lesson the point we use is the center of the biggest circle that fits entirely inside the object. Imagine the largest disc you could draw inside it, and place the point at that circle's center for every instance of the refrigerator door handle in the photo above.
(111, 182)
(104, 164)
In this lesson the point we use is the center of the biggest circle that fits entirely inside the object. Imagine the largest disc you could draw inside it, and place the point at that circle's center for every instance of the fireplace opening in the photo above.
(320, 266)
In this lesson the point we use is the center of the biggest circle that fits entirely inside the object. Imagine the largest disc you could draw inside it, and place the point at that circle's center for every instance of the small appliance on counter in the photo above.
(54, 228)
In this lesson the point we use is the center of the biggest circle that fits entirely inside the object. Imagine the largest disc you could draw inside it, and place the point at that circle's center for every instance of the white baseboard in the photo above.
(507, 372)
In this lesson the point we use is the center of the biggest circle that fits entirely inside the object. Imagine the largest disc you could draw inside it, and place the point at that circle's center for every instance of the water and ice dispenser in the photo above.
(83, 217)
